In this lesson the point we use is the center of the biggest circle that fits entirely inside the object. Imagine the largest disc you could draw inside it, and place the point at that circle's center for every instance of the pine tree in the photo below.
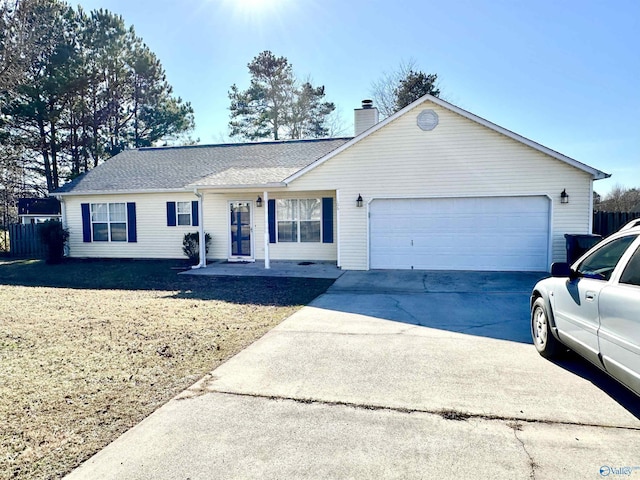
(274, 106)
(91, 89)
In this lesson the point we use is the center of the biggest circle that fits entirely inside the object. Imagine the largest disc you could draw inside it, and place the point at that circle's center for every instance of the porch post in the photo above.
(267, 260)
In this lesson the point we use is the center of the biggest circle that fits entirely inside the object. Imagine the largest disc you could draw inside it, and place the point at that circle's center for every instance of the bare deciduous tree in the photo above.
(620, 199)
(397, 89)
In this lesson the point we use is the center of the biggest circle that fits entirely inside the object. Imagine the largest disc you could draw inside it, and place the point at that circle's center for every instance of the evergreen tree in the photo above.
(394, 91)
(91, 89)
(307, 117)
(274, 106)
(21, 38)
(413, 86)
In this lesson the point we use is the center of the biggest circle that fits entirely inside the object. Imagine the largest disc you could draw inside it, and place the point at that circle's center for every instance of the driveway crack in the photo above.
(517, 427)
(482, 325)
(424, 283)
(447, 414)
(399, 307)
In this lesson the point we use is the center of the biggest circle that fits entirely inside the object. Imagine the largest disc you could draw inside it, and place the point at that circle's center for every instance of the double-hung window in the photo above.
(183, 213)
(109, 222)
(299, 220)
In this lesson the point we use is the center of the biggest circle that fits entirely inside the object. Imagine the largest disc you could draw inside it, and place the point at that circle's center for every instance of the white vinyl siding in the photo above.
(459, 158)
(154, 238)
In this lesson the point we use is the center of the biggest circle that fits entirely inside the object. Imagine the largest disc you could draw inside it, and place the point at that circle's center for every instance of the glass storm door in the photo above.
(240, 227)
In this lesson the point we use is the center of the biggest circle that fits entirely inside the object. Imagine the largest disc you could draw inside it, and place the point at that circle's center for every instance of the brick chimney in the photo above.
(365, 117)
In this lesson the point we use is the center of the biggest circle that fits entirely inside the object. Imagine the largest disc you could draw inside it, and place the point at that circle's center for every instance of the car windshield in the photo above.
(601, 263)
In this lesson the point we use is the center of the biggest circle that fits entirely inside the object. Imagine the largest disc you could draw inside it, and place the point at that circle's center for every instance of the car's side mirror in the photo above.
(561, 269)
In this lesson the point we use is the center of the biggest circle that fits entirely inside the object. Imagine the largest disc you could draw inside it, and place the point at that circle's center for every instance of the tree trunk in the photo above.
(54, 156)
(136, 126)
(45, 154)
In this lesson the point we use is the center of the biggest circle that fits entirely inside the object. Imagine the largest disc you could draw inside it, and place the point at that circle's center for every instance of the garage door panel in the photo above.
(488, 233)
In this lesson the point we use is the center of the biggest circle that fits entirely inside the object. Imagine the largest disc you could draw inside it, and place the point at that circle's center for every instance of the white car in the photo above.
(593, 307)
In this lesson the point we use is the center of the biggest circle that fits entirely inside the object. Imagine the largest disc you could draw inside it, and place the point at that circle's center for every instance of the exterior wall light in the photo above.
(259, 202)
(564, 196)
(359, 201)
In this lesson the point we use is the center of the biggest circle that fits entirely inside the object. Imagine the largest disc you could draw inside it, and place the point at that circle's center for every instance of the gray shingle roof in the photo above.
(165, 168)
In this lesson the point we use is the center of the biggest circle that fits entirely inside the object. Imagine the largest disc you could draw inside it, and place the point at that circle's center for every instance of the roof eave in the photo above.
(187, 188)
(120, 192)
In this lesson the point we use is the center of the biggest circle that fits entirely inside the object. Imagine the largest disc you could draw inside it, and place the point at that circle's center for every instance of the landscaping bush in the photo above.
(54, 236)
(191, 245)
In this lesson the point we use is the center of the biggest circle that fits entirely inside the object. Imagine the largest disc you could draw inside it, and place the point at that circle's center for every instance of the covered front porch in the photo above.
(295, 229)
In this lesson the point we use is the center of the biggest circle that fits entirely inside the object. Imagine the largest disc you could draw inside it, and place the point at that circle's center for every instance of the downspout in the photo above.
(591, 206)
(338, 227)
(201, 237)
(267, 260)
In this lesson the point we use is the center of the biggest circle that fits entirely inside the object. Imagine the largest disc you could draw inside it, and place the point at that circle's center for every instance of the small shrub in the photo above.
(54, 236)
(191, 245)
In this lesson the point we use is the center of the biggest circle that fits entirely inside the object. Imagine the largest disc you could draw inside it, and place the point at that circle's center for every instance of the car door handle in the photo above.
(590, 296)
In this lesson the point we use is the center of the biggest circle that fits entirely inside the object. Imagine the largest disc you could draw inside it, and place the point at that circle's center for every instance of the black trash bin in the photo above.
(578, 244)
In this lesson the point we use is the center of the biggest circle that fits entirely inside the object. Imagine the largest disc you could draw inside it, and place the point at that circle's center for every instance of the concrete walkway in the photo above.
(391, 375)
(278, 269)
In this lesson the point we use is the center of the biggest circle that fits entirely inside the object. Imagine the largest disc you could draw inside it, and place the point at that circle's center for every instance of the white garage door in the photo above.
(485, 233)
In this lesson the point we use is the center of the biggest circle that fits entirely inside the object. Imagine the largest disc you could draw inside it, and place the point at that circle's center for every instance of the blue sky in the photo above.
(563, 73)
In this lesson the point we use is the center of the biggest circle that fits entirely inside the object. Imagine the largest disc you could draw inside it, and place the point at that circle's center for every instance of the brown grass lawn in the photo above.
(90, 348)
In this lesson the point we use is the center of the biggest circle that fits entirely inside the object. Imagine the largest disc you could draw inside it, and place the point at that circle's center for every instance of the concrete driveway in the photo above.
(391, 375)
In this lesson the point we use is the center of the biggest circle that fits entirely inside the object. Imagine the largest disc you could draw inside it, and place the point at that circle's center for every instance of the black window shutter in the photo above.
(271, 205)
(327, 220)
(86, 222)
(171, 214)
(194, 213)
(132, 234)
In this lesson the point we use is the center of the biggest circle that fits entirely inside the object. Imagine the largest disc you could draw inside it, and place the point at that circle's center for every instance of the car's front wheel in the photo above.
(546, 344)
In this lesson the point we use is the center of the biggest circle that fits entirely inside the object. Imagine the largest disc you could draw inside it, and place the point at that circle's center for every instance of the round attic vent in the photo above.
(427, 120)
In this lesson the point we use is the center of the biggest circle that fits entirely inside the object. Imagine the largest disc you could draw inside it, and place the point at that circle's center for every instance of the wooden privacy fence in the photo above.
(24, 241)
(606, 223)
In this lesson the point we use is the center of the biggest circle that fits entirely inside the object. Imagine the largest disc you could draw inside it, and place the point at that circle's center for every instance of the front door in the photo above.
(241, 243)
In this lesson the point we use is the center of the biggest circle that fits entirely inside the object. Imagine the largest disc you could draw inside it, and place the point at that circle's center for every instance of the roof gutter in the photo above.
(120, 192)
(260, 186)
(189, 188)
